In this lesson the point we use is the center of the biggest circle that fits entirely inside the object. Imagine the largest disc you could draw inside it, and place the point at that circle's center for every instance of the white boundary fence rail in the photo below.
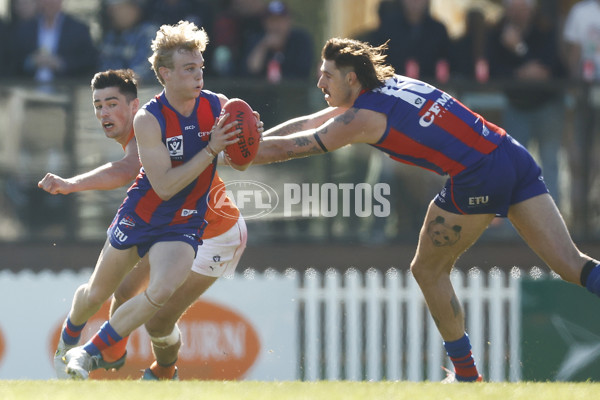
(375, 325)
(311, 325)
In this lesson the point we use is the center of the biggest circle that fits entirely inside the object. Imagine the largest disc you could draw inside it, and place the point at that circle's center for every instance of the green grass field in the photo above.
(192, 390)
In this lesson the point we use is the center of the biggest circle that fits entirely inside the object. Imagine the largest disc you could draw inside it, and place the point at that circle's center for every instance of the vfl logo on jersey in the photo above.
(186, 212)
(175, 146)
(127, 222)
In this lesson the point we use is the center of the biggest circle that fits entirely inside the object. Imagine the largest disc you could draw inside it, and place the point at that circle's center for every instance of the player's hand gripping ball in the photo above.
(243, 151)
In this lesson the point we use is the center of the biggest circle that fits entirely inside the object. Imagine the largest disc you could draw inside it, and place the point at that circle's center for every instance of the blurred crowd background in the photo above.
(532, 67)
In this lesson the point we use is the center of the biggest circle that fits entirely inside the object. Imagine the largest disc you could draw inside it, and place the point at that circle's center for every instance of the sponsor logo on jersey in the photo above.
(478, 200)
(436, 109)
(204, 135)
(192, 237)
(119, 235)
(187, 212)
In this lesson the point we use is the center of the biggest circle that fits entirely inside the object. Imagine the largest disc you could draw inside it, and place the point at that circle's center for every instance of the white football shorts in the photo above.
(220, 255)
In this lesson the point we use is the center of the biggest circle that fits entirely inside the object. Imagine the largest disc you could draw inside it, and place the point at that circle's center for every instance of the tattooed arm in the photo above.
(304, 123)
(353, 126)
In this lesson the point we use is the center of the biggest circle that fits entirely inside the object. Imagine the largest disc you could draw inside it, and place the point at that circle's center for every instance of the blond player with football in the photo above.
(115, 102)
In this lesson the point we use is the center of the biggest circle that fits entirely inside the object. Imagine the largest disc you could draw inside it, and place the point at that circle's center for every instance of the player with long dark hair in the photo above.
(489, 174)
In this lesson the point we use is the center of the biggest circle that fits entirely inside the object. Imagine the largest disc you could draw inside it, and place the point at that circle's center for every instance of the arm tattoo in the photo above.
(347, 117)
(302, 141)
(303, 147)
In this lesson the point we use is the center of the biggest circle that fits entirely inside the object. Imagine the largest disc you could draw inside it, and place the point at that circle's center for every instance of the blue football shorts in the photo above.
(128, 230)
(506, 176)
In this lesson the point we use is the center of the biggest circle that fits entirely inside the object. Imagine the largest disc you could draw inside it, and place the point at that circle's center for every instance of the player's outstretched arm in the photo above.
(109, 176)
(306, 122)
(353, 126)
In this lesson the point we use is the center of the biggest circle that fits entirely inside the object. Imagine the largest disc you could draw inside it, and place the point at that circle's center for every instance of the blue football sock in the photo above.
(104, 338)
(592, 280)
(460, 354)
(71, 333)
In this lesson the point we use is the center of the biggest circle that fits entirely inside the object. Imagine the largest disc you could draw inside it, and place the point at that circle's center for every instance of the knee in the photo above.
(94, 296)
(120, 297)
(418, 271)
(159, 295)
(428, 274)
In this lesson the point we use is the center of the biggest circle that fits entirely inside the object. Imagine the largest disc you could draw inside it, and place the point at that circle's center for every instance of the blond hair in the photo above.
(184, 36)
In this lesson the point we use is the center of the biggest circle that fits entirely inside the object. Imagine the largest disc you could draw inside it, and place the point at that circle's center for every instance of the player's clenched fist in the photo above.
(54, 184)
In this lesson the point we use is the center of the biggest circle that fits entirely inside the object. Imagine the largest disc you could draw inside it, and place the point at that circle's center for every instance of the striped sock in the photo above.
(71, 333)
(116, 351)
(105, 337)
(460, 354)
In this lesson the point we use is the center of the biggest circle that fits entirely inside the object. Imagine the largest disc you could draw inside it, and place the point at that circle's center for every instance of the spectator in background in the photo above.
(237, 22)
(582, 40)
(4, 33)
(52, 45)
(127, 39)
(419, 44)
(283, 51)
(523, 47)
(22, 10)
(170, 12)
(467, 55)
(388, 13)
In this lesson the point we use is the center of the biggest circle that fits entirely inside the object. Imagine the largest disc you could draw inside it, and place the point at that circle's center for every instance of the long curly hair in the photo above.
(368, 62)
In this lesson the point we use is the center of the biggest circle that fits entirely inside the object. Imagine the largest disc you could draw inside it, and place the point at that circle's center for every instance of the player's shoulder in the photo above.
(145, 119)
(360, 125)
(214, 96)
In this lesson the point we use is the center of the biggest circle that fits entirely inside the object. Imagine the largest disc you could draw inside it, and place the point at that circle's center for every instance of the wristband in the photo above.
(210, 154)
(210, 150)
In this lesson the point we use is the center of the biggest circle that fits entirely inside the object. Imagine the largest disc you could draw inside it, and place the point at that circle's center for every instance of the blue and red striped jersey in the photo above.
(429, 128)
(184, 137)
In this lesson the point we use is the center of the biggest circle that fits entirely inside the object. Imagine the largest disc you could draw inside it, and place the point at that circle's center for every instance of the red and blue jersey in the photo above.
(429, 128)
(184, 137)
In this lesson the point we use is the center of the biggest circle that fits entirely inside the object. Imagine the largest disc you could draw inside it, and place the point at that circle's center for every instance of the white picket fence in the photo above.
(375, 325)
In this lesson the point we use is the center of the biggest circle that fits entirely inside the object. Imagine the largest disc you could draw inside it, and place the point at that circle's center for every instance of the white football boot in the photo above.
(79, 363)
(60, 366)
